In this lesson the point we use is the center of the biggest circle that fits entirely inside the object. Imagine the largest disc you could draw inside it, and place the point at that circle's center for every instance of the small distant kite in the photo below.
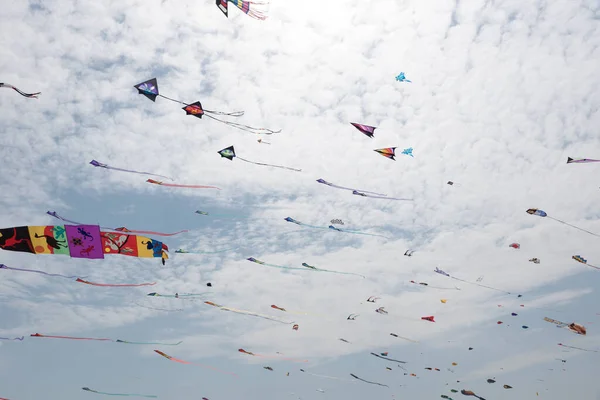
(515, 245)
(409, 253)
(389, 152)
(408, 152)
(151, 396)
(262, 141)
(381, 310)
(337, 221)
(430, 318)
(402, 78)
(106, 166)
(330, 227)
(373, 299)
(580, 160)
(229, 153)
(541, 213)
(256, 10)
(384, 197)
(352, 317)
(535, 260)
(366, 129)
(149, 89)
(583, 261)
(324, 182)
(295, 327)
(470, 393)
(28, 95)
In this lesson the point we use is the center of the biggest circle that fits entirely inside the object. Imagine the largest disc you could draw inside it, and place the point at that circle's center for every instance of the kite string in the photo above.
(573, 226)
(268, 165)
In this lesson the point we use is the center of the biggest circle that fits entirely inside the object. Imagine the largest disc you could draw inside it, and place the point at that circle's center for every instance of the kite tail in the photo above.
(364, 194)
(480, 285)
(362, 233)
(17, 338)
(55, 215)
(156, 308)
(160, 344)
(250, 8)
(181, 251)
(364, 380)
(97, 164)
(181, 186)
(258, 131)
(151, 396)
(173, 100)
(2, 266)
(327, 376)
(269, 165)
(115, 285)
(28, 95)
(573, 226)
(340, 272)
(68, 337)
(230, 114)
(577, 348)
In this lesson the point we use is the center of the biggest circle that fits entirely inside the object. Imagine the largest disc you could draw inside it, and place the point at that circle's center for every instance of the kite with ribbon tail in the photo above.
(106, 166)
(38, 335)
(120, 229)
(583, 261)
(439, 271)
(402, 78)
(331, 227)
(254, 9)
(365, 129)
(305, 265)
(178, 296)
(181, 186)
(357, 193)
(388, 359)
(151, 396)
(28, 95)
(149, 89)
(250, 313)
(366, 381)
(581, 160)
(578, 348)
(79, 241)
(168, 357)
(324, 182)
(273, 357)
(229, 153)
(543, 214)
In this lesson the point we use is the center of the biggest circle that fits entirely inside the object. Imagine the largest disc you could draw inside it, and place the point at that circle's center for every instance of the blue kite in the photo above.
(402, 78)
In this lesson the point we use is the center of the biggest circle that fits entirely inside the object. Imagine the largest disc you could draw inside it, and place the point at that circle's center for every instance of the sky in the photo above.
(502, 93)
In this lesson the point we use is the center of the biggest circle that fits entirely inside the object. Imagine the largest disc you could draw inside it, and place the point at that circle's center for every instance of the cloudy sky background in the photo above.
(503, 92)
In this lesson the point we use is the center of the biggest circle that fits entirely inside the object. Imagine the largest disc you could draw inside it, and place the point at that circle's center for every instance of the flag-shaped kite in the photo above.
(366, 129)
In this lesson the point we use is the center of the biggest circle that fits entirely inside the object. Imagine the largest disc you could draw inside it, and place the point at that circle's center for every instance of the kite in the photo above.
(581, 160)
(115, 284)
(223, 308)
(326, 376)
(256, 10)
(430, 318)
(372, 383)
(515, 245)
(168, 357)
(2, 266)
(432, 369)
(443, 301)
(408, 152)
(343, 340)
(295, 327)
(331, 227)
(514, 314)
(382, 356)
(573, 327)
(229, 153)
(409, 253)
(181, 186)
(262, 141)
(583, 261)
(381, 310)
(120, 229)
(540, 213)
(410, 340)
(389, 152)
(28, 95)
(324, 182)
(263, 356)
(434, 287)
(364, 194)
(366, 129)
(525, 327)
(535, 260)
(470, 393)
(337, 221)
(373, 299)
(79, 241)
(402, 78)
(17, 338)
(288, 311)
(87, 389)
(578, 348)
(491, 381)
(443, 396)
(200, 212)
(177, 295)
(310, 267)
(356, 232)
(102, 340)
(352, 317)
(507, 387)
(268, 368)
(106, 166)
(439, 271)
(453, 183)
(181, 251)
(149, 89)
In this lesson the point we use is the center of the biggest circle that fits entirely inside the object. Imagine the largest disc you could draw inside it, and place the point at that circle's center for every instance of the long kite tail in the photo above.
(181, 186)
(154, 343)
(69, 337)
(17, 338)
(115, 285)
(181, 251)
(339, 272)
(258, 131)
(190, 363)
(359, 233)
(99, 164)
(578, 348)
(2, 266)
(328, 377)
(151, 396)
(573, 226)
(364, 380)
(480, 285)
(269, 165)
(346, 188)
(364, 194)
(256, 10)
(28, 95)
(388, 359)
(229, 114)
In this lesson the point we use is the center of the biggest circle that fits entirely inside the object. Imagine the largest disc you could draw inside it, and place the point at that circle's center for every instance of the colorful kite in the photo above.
(366, 129)
(181, 186)
(540, 213)
(310, 267)
(573, 327)
(28, 95)
(357, 193)
(439, 271)
(583, 261)
(120, 229)
(389, 152)
(408, 152)
(275, 357)
(149, 89)
(402, 78)
(168, 357)
(372, 383)
(229, 153)
(581, 160)
(79, 241)
(106, 166)
(324, 182)
(256, 10)
(243, 312)
(507, 387)
(330, 227)
(151, 396)
(295, 327)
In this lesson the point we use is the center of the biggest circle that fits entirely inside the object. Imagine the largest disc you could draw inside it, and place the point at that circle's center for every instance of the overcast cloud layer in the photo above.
(503, 92)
